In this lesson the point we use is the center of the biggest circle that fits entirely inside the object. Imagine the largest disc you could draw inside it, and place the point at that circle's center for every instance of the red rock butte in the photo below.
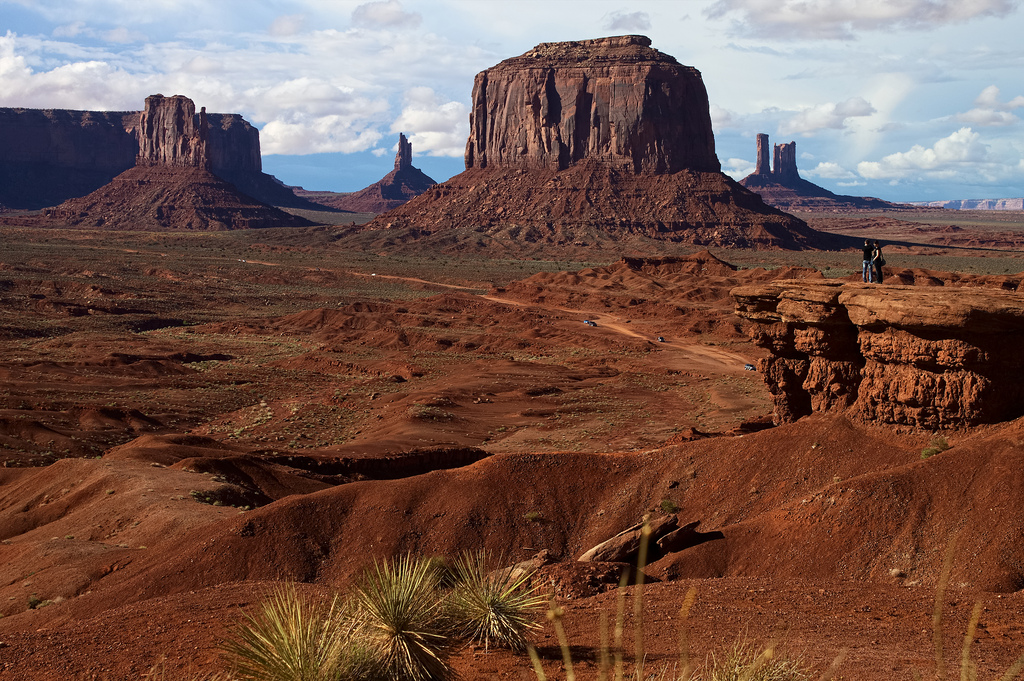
(606, 133)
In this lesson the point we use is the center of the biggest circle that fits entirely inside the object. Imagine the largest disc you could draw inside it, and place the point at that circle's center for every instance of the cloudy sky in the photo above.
(899, 99)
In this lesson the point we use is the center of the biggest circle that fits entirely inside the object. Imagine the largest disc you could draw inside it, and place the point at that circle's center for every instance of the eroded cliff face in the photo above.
(49, 156)
(917, 356)
(595, 138)
(612, 100)
(170, 134)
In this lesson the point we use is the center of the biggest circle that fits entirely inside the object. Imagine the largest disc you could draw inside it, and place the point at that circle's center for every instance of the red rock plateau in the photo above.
(403, 183)
(171, 186)
(608, 134)
(48, 156)
(780, 185)
(189, 419)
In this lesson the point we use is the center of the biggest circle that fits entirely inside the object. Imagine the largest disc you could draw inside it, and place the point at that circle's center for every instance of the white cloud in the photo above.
(287, 25)
(816, 19)
(631, 21)
(960, 153)
(69, 30)
(435, 127)
(830, 170)
(385, 14)
(737, 168)
(826, 116)
(124, 36)
(990, 112)
(722, 118)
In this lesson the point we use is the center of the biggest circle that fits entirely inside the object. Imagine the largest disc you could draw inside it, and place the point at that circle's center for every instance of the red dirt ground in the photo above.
(182, 426)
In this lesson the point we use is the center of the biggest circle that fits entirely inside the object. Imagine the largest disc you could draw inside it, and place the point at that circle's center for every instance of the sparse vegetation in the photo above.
(668, 507)
(744, 662)
(400, 617)
(492, 608)
(937, 445)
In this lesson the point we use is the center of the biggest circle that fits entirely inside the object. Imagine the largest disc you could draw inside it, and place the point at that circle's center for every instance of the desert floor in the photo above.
(188, 419)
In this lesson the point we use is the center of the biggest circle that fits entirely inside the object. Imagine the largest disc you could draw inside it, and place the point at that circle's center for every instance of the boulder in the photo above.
(625, 546)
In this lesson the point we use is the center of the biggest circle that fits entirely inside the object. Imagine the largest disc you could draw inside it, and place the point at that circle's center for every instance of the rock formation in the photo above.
(608, 134)
(397, 187)
(50, 155)
(171, 186)
(974, 204)
(781, 185)
(920, 356)
(170, 134)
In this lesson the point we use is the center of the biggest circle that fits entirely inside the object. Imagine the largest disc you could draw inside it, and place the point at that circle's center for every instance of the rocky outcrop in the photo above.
(974, 204)
(402, 184)
(928, 357)
(608, 135)
(781, 185)
(616, 101)
(50, 155)
(171, 134)
(171, 186)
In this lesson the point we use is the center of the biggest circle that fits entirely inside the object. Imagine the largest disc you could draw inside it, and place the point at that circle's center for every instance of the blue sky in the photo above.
(899, 99)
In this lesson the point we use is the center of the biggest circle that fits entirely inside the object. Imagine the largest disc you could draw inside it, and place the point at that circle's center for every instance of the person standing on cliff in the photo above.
(877, 261)
(868, 271)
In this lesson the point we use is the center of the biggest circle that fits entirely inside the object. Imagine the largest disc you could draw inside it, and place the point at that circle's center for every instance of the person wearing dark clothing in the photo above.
(868, 271)
(877, 261)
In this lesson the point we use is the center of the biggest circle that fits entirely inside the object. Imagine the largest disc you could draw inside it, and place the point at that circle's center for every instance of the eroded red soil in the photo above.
(184, 425)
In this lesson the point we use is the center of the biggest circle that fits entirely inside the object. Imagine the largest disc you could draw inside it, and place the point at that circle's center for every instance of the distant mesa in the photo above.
(973, 204)
(606, 133)
(48, 156)
(171, 186)
(780, 184)
(403, 183)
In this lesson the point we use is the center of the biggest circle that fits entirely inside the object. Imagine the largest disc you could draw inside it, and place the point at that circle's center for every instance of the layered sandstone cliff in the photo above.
(780, 184)
(608, 134)
(50, 155)
(615, 101)
(929, 357)
(171, 186)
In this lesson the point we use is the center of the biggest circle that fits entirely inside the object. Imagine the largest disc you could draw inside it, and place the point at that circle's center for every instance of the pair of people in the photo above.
(873, 261)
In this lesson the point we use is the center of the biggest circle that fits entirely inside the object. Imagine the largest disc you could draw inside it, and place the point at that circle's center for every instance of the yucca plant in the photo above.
(400, 618)
(293, 637)
(492, 608)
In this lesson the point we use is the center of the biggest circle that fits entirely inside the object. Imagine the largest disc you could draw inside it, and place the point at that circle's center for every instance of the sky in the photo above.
(905, 100)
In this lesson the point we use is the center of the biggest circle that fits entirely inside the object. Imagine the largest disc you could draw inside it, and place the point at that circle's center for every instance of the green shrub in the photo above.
(296, 638)
(668, 507)
(492, 608)
(400, 617)
(937, 445)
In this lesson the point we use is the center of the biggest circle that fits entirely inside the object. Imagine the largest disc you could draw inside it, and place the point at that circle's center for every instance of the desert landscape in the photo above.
(210, 390)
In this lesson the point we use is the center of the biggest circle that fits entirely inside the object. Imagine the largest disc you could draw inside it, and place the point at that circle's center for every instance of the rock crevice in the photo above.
(923, 357)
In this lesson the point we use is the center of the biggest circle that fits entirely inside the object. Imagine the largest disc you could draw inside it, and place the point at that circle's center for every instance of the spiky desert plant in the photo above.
(292, 637)
(492, 608)
(400, 618)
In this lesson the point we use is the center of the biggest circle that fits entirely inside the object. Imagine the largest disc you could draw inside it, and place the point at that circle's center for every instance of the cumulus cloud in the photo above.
(826, 117)
(737, 168)
(434, 126)
(830, 170)
(990, 112)
(722, 118)
(384, 14)
(628, 21)
(950, 157)
(840, 19)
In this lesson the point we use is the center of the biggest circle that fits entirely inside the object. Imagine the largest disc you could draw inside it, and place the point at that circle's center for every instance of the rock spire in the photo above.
(171, 134)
